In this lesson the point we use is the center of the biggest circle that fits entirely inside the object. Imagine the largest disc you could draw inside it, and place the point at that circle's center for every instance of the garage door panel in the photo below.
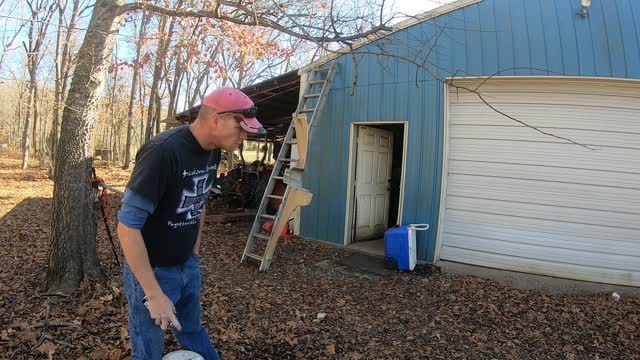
(532, 210)
(546, 193)
(550, 268)
(543, 173)
(589, 233)
(597, 119)
(519, 133)
(498, 99)
(520, 200)
(564, 85)
(559, 240)
(539, 252)
(609, 159)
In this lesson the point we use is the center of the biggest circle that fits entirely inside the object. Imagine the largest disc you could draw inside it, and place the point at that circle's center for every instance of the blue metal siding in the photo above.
(630, 36)
(552, 42)
(536, 37)
(568, 41)
(504, 31)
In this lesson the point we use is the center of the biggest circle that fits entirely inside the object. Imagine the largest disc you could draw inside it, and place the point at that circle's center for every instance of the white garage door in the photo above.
(519, 200)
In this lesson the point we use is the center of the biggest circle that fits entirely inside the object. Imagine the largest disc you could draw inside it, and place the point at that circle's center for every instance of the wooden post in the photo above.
(302, 132)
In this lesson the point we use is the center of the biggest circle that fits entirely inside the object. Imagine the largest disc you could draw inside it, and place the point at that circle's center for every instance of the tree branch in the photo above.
(252, 19)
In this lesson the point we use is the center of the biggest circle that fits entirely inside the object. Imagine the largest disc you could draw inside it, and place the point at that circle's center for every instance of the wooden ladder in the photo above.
(309, 107)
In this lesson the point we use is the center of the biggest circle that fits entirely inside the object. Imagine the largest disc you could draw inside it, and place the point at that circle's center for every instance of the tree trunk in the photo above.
(57, 93)
(134, 85)
(174, 93)
(158, 115)
(114, 145)
(192, 99)
(112, 117)
(142, 95)
(63, 67)
(74, 223)
(33, 52)
(30, 100)
(35, 117)
(18, 124)
(27, 123)
(155, 84)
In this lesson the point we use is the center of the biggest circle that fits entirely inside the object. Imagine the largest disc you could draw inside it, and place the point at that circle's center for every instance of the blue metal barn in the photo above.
(495, 192)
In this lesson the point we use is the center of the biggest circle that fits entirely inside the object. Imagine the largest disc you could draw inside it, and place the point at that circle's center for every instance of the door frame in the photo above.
(351, 172)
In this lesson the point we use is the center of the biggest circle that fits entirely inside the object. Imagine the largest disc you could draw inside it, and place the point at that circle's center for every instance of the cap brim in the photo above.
(252, 126)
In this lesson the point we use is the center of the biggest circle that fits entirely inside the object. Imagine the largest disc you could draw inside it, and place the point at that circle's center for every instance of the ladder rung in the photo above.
(307, 110)
(311, 96)
(292, 142)
(278, 177)
(255, 257)
(321, 69)
(287, 159)
(316, 82)
(275, 197)
(266, 216)
(265, 237)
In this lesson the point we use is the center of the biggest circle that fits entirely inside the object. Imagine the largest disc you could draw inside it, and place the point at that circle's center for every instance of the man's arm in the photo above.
(196, 246)
(138, 259)
(160, 306)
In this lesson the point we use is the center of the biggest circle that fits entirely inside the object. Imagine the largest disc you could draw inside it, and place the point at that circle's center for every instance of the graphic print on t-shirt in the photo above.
(192, 200)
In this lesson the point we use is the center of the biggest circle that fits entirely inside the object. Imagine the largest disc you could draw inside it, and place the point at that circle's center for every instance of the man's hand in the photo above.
(159, 305)
(162, 311)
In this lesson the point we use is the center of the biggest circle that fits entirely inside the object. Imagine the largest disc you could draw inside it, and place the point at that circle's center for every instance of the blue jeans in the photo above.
(181, 284)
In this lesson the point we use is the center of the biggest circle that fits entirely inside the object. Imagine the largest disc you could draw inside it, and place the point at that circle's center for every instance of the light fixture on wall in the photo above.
(586, 4)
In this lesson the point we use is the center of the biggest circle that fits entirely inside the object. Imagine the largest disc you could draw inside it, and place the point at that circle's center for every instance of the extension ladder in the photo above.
(308, 111)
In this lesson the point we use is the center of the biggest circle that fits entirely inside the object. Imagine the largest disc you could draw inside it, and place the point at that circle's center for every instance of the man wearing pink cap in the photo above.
(160, 223)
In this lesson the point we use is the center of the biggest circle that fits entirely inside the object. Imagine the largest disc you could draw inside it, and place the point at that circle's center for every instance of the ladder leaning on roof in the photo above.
(309, 107)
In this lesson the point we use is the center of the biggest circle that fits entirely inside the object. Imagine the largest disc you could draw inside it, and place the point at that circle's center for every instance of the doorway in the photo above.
(376, 183)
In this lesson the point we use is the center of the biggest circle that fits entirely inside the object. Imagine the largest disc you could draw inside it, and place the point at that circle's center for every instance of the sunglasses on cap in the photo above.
(248, 112)
(241, 121)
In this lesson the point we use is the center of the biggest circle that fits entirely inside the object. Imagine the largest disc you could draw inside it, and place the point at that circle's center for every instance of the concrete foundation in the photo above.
(530, 281)
(371, 247)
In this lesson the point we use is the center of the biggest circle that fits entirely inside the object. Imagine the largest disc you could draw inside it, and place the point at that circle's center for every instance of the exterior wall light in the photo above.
(585, 6)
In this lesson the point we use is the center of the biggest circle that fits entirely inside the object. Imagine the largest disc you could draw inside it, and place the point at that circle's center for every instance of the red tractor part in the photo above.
(286, 235)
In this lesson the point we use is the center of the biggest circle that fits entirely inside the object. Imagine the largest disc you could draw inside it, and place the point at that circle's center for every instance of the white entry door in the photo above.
(373, 172)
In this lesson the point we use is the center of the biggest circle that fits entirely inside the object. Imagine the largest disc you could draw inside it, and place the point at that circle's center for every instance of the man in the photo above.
(161, 220)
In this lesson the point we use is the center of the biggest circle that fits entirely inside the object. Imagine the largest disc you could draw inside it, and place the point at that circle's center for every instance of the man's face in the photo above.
(230, 132)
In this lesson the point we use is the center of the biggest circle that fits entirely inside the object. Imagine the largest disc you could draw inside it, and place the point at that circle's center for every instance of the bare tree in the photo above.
(134, 85)
(111, 105)
(74, 223)
(8, 45)
(41, 12)
(153, 120)
(63, 66)
(196, 85)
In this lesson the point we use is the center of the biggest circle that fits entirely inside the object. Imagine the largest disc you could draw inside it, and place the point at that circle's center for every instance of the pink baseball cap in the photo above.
(228, 100)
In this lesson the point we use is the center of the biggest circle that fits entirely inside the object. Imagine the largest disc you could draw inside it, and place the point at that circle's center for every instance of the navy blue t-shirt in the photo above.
(175, 174)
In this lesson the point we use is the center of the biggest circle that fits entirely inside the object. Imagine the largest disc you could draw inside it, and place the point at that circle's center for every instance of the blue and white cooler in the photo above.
(400, 246)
